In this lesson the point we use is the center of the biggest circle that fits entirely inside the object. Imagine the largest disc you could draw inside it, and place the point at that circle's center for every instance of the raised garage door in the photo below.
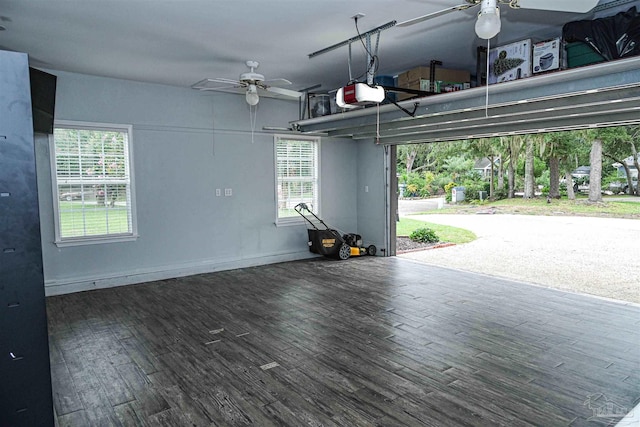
(600, 95)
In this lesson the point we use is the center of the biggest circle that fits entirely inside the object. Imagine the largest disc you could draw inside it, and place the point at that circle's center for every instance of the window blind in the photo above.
(93, 182)
(297, 174)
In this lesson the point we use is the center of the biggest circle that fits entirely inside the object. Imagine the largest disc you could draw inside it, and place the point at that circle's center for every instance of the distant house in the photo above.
(581, 172)
(483, 166)
(632, 168)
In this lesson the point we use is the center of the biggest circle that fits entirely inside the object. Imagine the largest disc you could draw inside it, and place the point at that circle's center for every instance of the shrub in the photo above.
(501, 193)
(411, 190)
(473, 188)
(424, 235)
(429, 177)
(544, 179)
(441, 181)
(447, 190)
(424, 192)
(417, 184)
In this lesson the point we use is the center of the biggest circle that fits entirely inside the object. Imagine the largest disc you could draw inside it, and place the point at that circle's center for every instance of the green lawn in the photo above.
(618, 207)
(446, 233)
(93, 220)
(576, 207)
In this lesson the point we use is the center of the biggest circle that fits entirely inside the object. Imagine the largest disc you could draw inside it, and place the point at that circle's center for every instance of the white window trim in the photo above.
(295, 220)
(93, 240)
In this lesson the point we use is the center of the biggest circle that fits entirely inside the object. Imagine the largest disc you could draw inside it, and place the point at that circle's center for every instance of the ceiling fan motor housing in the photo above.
(251, 77)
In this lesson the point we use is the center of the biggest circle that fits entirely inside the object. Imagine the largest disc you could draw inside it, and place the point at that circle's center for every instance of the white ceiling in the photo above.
(178, 42)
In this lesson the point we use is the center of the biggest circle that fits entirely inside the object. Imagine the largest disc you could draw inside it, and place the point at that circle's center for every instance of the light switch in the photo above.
(218, 192)
(227, 192)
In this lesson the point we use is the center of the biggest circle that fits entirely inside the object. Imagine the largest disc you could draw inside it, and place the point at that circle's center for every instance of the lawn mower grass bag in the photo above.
(324, 240)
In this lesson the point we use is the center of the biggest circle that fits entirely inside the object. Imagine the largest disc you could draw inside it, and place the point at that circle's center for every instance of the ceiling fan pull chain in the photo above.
(378, 123)
(253, 116)
(486, 100)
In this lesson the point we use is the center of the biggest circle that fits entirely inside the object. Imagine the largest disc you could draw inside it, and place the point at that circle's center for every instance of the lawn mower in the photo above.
(329, 242)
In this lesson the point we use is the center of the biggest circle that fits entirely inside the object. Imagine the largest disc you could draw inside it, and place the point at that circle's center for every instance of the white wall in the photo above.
(187, 144)
(371, 194)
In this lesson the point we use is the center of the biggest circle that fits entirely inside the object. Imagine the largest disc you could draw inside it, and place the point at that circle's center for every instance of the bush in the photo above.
(544, 179)
(411, 190)
(473, 188)
(424, 235)
(440, 181)
(418, 184)
(447, 190)
(501, 193)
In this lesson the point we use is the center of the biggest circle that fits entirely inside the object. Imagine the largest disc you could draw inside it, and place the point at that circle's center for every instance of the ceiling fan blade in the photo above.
(285, 92)
(238, 90)
(575, 6)
(223, 80)
(278, 82)
(214, 84)
(435, 14)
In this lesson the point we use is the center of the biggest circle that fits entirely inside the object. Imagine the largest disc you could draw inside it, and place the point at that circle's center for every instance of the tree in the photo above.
(489, 148)
(595, 174)
(416, 157)
(458, 165)
(548, 148)
(514, 146)
(575, 150)
(562, 150)
(529, 170)
(634, 132)
(571, 195)
(407, 155)
(618, 145)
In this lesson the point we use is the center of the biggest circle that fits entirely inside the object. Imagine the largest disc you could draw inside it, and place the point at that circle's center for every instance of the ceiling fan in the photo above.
(488, 23)
(251, 83)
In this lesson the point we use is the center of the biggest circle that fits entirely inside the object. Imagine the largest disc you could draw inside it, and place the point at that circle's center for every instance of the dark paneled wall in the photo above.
(25, 385)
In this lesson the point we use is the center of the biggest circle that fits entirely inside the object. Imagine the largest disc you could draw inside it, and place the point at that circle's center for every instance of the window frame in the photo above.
(297, 219)
(94, 239)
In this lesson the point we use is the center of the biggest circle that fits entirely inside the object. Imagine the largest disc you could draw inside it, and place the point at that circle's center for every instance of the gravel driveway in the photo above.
(598, 256)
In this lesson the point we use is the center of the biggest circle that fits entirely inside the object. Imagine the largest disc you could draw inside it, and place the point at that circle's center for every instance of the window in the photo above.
(92, 183)
(297, 166)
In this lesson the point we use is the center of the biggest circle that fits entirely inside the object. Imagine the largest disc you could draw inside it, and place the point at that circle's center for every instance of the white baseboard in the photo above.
(79, 284)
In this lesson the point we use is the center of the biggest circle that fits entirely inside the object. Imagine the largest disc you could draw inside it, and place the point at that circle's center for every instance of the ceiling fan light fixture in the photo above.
(252, 95)
(488, 23)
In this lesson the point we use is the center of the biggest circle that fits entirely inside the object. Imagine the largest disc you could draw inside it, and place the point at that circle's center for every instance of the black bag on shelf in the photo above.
(613, 37)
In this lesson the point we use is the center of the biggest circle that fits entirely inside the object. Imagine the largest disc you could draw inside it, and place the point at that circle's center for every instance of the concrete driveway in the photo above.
(598, 256)
(412, 206)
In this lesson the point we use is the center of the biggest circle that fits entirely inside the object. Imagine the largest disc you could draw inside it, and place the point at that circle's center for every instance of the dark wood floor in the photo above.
(363, 342)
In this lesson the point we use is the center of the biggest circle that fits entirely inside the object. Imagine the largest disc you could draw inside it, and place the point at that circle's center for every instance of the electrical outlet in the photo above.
(227, 192)
(218, 192)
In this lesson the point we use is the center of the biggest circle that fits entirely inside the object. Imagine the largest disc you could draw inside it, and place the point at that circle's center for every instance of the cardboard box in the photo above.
(546, 56)
(413, 85)
(413, 76)
(510, 62)
(418, 78)
(425, 85)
